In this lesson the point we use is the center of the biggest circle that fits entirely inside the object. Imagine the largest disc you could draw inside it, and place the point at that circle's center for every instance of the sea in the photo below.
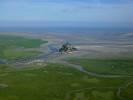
(66, 30)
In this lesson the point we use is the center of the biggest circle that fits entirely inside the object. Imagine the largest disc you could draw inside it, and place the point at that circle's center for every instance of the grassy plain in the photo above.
(14, 47)
(127, 92)
(106, 66)
(56, 82)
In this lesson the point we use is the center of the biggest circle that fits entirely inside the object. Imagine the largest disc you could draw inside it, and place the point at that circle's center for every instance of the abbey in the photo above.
(67, 48)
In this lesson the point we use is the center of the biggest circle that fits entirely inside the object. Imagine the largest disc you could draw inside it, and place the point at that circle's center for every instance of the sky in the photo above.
(92, 13)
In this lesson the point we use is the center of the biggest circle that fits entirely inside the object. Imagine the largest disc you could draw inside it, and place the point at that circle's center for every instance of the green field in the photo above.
(127, 92)
(57, 82)
(117, 66)
(14, 47)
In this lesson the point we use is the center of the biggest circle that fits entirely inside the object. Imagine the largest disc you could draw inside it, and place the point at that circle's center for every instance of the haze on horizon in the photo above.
(92, 13)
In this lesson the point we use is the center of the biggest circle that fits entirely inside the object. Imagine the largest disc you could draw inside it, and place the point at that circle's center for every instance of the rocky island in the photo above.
(67, 48)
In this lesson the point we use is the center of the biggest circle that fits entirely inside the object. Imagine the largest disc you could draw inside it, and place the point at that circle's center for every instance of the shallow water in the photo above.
(2, 62)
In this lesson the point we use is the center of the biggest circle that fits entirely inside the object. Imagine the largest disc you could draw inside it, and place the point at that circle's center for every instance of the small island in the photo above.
(67, 48)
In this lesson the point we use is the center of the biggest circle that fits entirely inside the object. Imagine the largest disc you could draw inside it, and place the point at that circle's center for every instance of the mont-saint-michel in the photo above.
(66, 50)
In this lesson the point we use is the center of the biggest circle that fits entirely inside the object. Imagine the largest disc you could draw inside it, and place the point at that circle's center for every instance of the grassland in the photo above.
(117, 66)
(14, 47)
(127, 92)
(56, 82)
(15, 54)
